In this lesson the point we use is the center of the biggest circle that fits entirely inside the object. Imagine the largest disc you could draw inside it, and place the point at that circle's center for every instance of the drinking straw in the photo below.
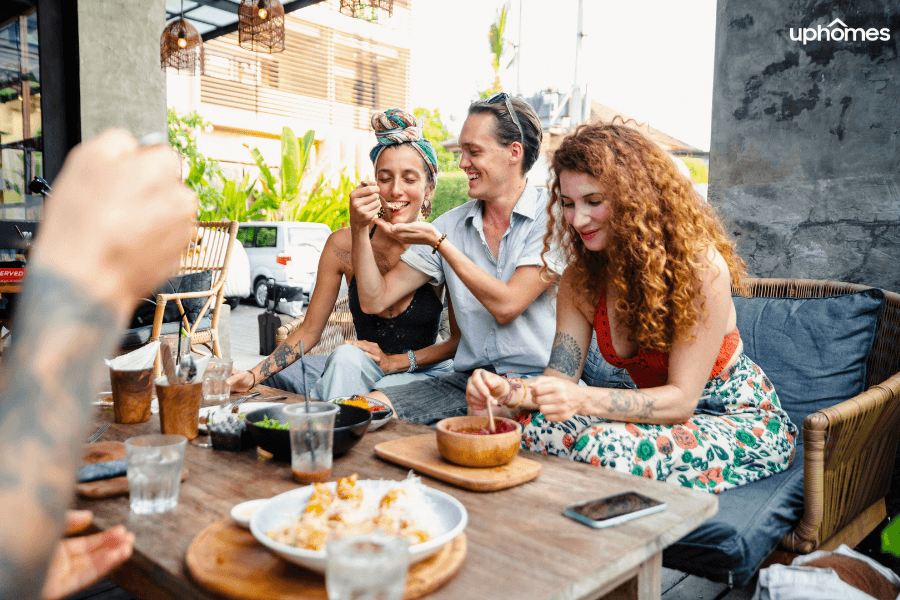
(312, 451)
(490, 414)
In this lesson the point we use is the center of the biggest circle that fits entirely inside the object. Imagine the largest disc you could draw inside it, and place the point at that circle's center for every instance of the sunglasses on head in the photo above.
(504, 97)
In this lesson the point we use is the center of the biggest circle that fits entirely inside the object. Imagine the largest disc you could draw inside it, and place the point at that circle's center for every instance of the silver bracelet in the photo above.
(413, 365)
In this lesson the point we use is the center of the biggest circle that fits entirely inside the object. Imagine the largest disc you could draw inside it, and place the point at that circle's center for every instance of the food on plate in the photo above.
(501, 427)
(519, 392)
(363, 402)
(272, 424)
(350, 511)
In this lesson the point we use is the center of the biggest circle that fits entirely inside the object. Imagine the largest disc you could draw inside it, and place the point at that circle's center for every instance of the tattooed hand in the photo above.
(557, 398)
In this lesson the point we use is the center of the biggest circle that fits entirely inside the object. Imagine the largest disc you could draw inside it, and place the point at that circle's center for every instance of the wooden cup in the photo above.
(179, 407)
(132, 392)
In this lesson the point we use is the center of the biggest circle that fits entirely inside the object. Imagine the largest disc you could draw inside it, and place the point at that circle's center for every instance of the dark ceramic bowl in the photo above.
(350, 425)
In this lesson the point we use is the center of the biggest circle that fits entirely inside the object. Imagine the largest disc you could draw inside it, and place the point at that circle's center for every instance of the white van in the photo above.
(286, 251)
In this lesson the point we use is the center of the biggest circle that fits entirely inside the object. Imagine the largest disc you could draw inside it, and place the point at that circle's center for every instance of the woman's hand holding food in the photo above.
(365, 203)
(484, 387)
(557, 398)
(417, 232)
(240, 381)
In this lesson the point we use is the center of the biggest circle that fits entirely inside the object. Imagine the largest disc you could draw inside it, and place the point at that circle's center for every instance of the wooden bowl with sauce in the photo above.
(459, 442)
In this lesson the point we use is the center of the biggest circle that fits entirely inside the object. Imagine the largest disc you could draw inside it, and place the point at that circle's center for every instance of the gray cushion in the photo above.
(750, 523)
(813, 350)
(139, 336)
(189, 282)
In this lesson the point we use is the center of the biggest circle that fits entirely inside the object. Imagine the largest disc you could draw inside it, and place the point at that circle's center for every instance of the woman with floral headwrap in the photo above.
(395, 346)
(650, 270)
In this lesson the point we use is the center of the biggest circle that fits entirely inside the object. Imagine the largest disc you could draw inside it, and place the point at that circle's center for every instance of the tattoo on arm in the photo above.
(342, 255)
(284, 355)
(631, 403)
(48, 380)
(566, 355)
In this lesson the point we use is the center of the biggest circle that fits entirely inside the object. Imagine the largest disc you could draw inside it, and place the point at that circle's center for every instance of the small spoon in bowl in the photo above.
(490, 410)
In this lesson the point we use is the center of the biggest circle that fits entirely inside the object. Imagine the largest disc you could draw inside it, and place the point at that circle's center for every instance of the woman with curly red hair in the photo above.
(650, 269)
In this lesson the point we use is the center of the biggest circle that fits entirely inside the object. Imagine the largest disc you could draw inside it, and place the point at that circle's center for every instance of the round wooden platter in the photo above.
(106, 488)
(227, 560)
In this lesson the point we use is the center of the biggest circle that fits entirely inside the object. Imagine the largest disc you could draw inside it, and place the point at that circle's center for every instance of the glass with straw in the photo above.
(312, 435)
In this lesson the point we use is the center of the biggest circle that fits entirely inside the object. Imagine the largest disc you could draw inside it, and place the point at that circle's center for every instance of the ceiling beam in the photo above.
(226, 29)
(219, 4)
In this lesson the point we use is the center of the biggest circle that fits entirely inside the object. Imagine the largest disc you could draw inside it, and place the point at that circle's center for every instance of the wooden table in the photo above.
(519, 543)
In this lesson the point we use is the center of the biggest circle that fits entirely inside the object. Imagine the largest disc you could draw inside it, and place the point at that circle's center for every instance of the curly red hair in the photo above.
(658, 227)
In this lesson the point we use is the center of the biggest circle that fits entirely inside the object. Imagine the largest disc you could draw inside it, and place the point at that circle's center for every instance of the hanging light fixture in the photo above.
(356, 8)
(181, 47)
(261, 25)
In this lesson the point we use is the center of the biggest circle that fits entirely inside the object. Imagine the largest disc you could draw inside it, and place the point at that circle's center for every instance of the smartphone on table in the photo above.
(612, 510)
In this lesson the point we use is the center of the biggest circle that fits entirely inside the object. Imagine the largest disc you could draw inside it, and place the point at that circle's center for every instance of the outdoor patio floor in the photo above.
(244, 349)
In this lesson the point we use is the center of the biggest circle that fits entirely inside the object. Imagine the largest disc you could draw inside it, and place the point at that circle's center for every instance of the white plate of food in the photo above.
(241, 409)
(292, 519)
(381, 413)
(243, 512)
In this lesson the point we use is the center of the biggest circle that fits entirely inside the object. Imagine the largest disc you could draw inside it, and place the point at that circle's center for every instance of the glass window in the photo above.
(298, 236)
(20, 112)
(245, 236)
(266, 236)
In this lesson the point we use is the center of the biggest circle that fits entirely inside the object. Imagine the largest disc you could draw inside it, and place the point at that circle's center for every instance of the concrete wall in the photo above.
(805, 149)
(122, 84)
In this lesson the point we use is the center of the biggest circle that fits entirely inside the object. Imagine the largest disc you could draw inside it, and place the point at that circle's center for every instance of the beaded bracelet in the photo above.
(438, 244)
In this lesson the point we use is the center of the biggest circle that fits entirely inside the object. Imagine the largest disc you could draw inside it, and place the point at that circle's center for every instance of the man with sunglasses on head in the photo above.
(487, 251)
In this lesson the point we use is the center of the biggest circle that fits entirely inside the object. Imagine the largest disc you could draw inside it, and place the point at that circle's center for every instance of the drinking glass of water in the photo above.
(367, 567)
(214, 389)
(154, 472)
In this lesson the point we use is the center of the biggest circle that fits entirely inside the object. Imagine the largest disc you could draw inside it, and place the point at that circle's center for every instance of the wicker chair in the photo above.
(210, 249)
(849, 448)
(338, 329)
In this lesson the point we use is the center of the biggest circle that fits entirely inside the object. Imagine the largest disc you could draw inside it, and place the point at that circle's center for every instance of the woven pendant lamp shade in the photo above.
(181, 48)
(261, 25)
(351, 7)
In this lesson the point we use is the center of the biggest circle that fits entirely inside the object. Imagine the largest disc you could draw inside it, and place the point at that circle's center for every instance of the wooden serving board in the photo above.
(106, 488)
(227, 560)
(420, 453)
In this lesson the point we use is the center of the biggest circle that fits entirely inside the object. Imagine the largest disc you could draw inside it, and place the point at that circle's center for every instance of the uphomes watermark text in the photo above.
(841, 33)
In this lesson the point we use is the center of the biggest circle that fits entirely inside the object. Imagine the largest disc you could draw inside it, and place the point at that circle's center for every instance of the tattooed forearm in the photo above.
(631, 403)
(565, 356)
(283, 356)
(52, 372)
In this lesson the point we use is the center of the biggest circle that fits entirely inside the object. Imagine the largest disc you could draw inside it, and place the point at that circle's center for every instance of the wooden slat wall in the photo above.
(323, 76)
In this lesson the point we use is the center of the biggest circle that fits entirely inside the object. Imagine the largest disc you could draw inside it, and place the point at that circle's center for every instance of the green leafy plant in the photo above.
(326, 203)
(452, 191)
(294, 158)
(699, 170)
(436, 132)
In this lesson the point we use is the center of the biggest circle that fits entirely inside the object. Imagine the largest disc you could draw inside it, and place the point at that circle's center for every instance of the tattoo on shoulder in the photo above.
(342, 255)
(631, 403)
(565, 356)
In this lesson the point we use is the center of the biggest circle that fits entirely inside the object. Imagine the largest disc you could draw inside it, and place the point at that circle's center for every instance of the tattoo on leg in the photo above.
(631, 403)
(565, 356)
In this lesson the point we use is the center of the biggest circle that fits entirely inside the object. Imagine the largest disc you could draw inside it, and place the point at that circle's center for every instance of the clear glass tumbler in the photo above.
(154, 472)
(367, 567)
(312, 440)
(215, 391)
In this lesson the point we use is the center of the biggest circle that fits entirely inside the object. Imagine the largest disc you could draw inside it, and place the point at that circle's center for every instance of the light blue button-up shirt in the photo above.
(523, 346)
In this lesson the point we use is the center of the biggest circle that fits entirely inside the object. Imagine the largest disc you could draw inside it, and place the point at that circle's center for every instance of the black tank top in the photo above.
(415, 328)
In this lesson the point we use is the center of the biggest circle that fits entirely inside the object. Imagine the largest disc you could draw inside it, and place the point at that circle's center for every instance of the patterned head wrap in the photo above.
(395, 126)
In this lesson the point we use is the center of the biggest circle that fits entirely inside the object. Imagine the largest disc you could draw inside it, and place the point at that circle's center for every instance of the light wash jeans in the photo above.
(345, 372)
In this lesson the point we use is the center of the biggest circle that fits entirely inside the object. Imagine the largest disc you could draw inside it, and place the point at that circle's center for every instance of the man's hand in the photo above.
(484, 387)
(80, 562)
(118, 220)
(240, 381)
(559, 399)
(417, 232)
(365, 203)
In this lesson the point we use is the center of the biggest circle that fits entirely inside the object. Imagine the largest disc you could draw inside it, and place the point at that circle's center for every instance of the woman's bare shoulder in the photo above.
(338, 245)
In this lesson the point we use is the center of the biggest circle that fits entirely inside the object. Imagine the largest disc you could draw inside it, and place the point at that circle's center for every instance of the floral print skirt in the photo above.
(738, 434)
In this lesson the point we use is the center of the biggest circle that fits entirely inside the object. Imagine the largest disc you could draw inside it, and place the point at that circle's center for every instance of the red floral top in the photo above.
(650, 368)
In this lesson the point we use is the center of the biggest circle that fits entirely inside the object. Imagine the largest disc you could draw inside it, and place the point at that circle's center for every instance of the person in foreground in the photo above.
(397, 345)
(488, 251)
(105, 242)
(650, 269)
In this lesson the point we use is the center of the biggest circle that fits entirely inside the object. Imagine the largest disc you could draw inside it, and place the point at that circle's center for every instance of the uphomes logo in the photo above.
(840, 33)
